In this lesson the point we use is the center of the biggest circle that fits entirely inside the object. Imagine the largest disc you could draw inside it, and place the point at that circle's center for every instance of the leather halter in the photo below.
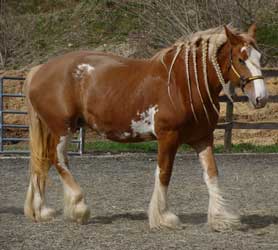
(243, 80)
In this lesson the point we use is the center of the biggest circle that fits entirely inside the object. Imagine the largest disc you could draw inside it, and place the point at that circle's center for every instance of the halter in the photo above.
(243, 80)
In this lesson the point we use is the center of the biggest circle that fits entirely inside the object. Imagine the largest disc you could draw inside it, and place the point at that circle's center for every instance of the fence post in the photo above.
(229, 126)
(1, 114)
(82, 141)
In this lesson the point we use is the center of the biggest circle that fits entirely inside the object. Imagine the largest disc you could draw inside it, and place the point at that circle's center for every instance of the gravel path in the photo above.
(118, 190)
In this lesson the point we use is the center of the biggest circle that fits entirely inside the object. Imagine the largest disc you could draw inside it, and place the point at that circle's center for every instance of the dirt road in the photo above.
(118, 190)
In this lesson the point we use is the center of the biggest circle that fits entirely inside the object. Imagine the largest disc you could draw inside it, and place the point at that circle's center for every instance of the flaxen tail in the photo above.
(42, 156)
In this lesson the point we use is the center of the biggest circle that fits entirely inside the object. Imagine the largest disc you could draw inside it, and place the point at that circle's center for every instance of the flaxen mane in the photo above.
(210, 40)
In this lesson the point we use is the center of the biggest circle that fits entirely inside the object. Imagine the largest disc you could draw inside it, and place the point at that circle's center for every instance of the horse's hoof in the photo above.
(219, 223)
(47, 214)
(166, 219)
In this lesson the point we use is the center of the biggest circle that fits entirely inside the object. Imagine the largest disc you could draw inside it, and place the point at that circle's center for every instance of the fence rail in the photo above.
(4, 126)
(228, 125)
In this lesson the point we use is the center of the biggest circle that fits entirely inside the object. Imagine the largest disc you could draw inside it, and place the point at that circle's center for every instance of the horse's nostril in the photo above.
(258, 100)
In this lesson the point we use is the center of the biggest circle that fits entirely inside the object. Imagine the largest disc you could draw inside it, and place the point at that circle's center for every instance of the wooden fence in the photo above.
(230, 124)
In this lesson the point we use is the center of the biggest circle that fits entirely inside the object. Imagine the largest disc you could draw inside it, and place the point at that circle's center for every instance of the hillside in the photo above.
(33, 31)
(37, 32)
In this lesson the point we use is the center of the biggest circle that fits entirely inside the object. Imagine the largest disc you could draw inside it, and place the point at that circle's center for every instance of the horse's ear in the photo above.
(232, 38)
(252, 30)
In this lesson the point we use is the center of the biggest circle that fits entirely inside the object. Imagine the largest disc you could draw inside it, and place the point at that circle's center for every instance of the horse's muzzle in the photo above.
(260, 102)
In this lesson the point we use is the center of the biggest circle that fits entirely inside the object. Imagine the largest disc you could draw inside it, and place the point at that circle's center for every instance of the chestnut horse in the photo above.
(171, 97)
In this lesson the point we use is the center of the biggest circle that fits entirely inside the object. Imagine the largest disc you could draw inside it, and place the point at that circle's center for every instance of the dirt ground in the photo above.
(118, 190)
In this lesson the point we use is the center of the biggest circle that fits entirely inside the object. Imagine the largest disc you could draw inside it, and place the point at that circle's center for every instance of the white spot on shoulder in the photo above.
(83, 69)
(146, 123)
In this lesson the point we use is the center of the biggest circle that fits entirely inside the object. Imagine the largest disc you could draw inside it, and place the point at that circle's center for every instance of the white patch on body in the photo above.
(82, 69)
(159, 215)
(146, 124)
(253, 64)
(124, 135)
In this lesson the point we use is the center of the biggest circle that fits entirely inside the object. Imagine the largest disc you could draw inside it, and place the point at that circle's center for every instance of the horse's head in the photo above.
(244, 67)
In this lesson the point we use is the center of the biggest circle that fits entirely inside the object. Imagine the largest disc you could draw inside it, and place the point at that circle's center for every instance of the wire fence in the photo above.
(8, 142)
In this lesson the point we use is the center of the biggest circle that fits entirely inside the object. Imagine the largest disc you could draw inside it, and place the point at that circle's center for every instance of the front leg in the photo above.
(219, 215)
(159, 214)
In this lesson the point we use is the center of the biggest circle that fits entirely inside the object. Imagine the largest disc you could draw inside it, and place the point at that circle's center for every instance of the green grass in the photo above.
(249, 148)
(150, 147)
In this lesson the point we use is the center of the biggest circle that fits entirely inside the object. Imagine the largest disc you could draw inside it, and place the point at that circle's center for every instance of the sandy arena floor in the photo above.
(118, 190)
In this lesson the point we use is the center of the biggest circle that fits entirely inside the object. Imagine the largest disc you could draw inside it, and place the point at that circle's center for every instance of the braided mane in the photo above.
(210, 40)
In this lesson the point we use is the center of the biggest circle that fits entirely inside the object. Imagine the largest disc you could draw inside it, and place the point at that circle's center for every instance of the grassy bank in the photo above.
(150, 147)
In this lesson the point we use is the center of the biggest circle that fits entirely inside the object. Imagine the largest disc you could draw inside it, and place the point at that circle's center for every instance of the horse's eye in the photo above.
(242, 62)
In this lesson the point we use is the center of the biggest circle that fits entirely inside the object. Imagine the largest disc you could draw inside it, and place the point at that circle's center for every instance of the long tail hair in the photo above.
(42, 148)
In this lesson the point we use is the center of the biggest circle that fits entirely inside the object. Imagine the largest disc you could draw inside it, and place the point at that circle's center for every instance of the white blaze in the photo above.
(253, 64)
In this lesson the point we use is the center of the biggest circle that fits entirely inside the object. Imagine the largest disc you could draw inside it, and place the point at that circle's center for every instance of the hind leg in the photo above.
(34, 206)
(75, 207)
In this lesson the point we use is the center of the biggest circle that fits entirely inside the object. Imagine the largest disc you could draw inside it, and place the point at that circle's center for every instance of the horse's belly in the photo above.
(125, 126)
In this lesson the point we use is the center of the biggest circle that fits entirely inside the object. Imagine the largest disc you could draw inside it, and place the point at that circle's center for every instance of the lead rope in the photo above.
(197, 81)
(187, 48)
(204, 58)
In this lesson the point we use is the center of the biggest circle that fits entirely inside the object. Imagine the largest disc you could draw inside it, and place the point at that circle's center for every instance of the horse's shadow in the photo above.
(253, 221)
(12, 210)
(109, 219)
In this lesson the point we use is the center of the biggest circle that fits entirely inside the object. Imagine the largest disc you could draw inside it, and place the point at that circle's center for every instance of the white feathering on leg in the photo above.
(159, 215)
(220, 216)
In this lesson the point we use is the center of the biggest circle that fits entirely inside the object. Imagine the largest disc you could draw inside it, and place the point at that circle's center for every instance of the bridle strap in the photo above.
(243, 80)
(234, 69)
(252, 78)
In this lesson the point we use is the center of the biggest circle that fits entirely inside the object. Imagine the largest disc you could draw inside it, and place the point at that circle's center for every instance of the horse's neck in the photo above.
(223, 60)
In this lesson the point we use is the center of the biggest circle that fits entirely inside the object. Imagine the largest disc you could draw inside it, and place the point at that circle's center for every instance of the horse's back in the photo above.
(62, 89)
